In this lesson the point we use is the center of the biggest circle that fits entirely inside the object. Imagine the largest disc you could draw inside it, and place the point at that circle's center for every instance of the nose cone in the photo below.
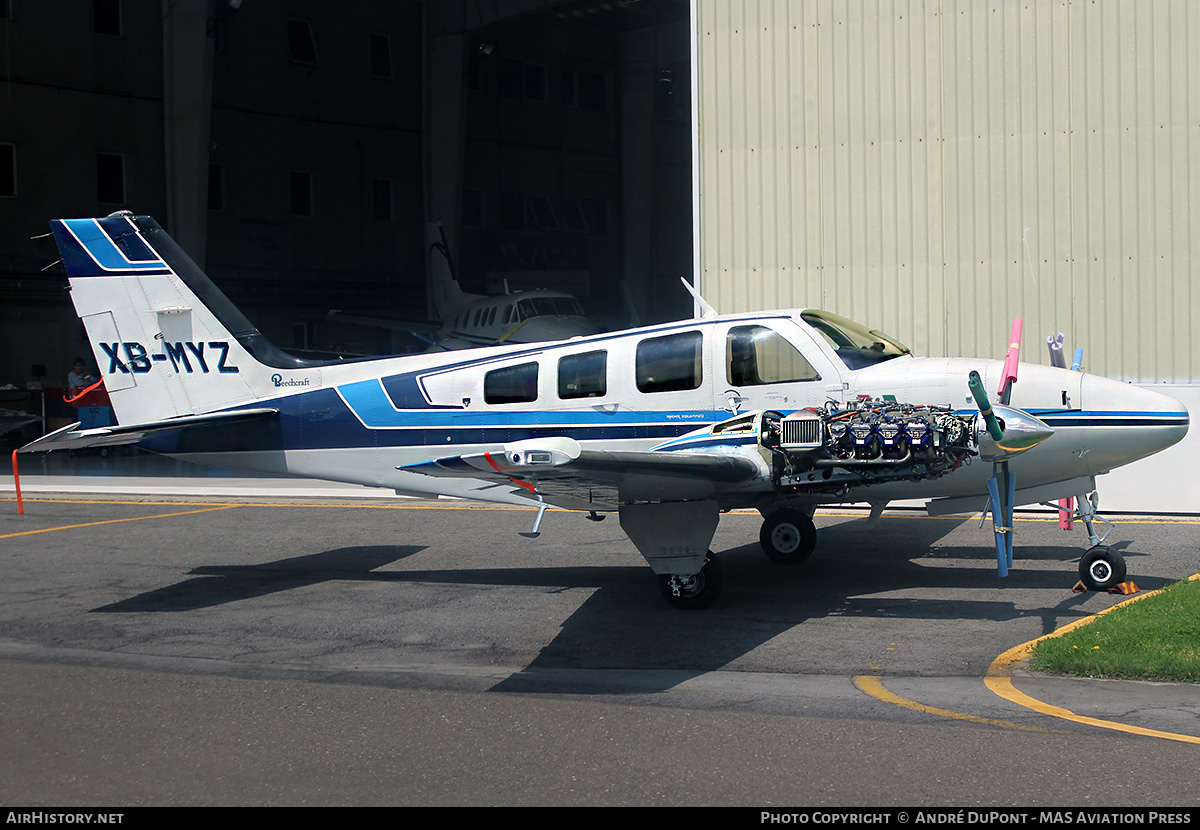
(1128, 422)
(1022, 431)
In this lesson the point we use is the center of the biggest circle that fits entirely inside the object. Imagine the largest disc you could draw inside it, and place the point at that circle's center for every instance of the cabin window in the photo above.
(670, 364)
(756, 355)
(583, 375)
(512, 384)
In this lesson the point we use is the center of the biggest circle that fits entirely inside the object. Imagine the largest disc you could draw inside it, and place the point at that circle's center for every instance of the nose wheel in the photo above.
(788, 536)
(1101, 568)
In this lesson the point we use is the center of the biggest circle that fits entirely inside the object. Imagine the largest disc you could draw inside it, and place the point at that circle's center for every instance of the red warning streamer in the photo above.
(82, 393)
(496, 467)
(17, 481)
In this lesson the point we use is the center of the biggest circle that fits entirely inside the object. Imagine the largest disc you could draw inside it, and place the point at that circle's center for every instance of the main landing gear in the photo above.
(697, 591)
(788, 536)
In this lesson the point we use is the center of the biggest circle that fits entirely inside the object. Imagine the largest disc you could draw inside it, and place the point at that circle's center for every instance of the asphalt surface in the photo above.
(325, 651)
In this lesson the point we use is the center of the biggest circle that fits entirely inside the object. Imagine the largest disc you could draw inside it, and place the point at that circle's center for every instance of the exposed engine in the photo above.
(863, 443)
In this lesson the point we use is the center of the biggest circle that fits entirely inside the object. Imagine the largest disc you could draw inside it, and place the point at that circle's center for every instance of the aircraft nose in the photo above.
(1144, 421)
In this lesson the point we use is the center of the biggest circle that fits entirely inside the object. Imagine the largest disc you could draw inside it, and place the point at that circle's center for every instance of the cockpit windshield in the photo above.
(854, 343)
(549, 307)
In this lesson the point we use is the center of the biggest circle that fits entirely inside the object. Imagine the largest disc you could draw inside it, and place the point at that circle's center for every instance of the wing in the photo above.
(565, 474)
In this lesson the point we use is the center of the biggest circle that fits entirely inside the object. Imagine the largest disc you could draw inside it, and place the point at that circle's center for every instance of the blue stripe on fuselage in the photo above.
(324, 419)
(1100, 418)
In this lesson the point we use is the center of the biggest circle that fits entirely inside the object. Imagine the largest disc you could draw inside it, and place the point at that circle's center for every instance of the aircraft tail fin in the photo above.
(167, 342)
(445, 293)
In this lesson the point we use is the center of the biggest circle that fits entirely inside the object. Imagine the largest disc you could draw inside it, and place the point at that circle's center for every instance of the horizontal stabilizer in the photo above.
(72, 438)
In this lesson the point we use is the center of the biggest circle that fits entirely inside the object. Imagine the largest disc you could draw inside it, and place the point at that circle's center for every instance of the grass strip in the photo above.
(1156, 638)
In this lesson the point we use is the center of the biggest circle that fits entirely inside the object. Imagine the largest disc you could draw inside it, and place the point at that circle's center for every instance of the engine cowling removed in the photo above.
(865, 442)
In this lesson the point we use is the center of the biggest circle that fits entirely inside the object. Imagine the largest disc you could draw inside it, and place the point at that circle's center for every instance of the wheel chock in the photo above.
(1121, 589)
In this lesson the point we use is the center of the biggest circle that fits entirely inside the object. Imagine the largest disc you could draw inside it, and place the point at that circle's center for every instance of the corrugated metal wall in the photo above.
(936, 168)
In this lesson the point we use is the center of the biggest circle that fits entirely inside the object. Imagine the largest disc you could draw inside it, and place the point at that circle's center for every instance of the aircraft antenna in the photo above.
(706, 310)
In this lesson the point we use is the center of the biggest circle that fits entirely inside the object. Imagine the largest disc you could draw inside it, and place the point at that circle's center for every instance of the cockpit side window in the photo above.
(756, 356)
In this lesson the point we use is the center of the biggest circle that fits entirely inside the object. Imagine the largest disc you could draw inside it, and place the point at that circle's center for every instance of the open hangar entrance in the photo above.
(558, 151)
(297, 150)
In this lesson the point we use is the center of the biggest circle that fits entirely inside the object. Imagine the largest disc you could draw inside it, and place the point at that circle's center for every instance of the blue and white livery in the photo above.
(666, 425)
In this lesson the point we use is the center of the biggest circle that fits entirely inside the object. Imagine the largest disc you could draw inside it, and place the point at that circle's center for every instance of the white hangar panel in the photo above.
(937, 168)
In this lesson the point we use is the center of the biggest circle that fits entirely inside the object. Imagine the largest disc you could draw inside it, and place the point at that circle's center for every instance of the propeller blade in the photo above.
(1008, 375)
(985, 407)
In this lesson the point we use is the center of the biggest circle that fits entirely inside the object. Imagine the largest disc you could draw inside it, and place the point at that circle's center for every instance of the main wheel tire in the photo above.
(1101, 569)
(695, 592)
(788, 536)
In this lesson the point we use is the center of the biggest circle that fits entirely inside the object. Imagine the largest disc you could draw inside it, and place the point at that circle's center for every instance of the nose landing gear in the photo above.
(1102, 569)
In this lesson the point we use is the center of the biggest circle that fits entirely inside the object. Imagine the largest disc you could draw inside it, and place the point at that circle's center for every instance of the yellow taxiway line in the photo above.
(998, 677)
(999, 680)
(350, 504)
(466, 504)
(115, 521)
(873, 685)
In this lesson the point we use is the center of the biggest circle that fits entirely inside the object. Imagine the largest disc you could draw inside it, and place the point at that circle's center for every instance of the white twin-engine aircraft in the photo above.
(467, 321)
(667, 425)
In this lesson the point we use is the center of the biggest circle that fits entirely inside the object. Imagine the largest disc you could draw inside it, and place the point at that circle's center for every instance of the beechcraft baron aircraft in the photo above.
(667, 425)
(467, 321)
